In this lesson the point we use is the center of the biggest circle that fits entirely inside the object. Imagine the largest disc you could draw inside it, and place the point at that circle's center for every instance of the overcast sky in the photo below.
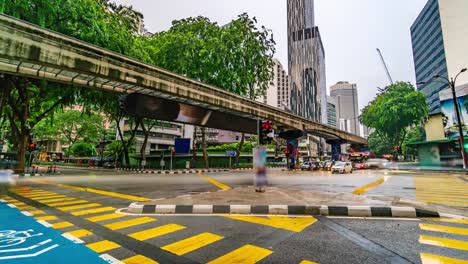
(351, 31)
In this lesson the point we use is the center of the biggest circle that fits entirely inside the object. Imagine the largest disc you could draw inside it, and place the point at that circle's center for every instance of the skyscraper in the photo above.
(306, 62)
(277, 94)
(347, 108)
(440, 40)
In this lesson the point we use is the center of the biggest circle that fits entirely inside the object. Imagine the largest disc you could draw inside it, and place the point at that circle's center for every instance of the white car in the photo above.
(342, 167)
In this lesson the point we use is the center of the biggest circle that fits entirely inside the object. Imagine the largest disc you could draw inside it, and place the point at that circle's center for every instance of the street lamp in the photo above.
(451, 83)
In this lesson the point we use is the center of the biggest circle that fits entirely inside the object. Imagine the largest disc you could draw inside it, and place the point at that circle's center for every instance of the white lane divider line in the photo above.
(11, 205)
(73, 238)
(26, 213)
(110, 259)
(44, 223)
(2, 201)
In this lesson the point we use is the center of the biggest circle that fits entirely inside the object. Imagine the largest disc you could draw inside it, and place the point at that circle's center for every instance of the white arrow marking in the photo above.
(110, 259)
(31, 255)
(27, 248)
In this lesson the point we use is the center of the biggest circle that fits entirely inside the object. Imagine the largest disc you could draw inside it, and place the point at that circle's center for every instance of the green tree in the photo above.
(81, 149)
(30, 101)
(393, 111)
(70, 126)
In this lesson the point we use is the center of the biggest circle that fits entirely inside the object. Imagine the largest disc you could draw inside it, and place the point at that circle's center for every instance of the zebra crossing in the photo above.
(450, 191)
(148, 230)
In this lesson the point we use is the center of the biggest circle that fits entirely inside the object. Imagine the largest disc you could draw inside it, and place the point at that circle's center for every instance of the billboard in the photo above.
(449, 115)
(168, 110)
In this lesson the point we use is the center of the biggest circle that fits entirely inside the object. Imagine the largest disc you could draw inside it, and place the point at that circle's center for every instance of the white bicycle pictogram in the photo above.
(9, 238)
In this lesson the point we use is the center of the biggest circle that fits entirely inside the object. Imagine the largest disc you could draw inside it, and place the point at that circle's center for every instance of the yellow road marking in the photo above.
(443, 242)
(129, 223)
(245, 254)
(281, 222)
(102, 246)
(80, 233)
(450, 220)
(46, 201)
(435, 259)
(82, 206)
(104, 217)
(443, 201)
(139, 259)
(156, 232)
(93, 211)
(36, 212)
(106, 193)
(368, 187)
(215, 182)
(47, 217)
(190, 244)
(17, 203)
(308, 262)
(444, 229)
(24, 207)
(62, 225)
(43, 197)
(68, 203)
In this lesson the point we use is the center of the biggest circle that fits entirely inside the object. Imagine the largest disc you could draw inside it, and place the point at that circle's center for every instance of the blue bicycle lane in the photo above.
(24, 240)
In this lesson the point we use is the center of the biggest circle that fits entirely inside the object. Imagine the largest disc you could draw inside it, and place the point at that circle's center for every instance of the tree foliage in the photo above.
(393, 111)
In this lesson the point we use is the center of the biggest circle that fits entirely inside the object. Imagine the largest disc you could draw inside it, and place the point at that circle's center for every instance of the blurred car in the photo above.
(360, 166)
(109, 165)
(306, 166)
(377, 163)
(342, 167)
(327, 165)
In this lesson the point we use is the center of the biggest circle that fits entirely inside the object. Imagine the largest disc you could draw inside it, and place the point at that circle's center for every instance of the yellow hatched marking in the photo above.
(36, 212)
(104, 217)
(443, 242)
(215, 182)
(245, 254)
(46, 201)
(435, 259)
(93, 211)
(372, 185)
(47, 218)
(308, 262)
(68, 203)
(103, 246)
(129, 223)
(106, 193)
(17, 203)
(192, 243)
(35, 193)
(156, 232)
(281, 222)
(443, 201)
(62, 225)
(139, 259)
(444, 229)
(82, 206)
(80, 233)
(43, 197)
(450, 220)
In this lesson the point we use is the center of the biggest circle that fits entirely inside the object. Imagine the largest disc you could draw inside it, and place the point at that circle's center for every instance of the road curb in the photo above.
(182, 171)
(324, 210)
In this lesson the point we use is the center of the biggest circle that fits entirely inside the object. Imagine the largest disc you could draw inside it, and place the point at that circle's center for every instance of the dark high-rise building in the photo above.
(306, 62)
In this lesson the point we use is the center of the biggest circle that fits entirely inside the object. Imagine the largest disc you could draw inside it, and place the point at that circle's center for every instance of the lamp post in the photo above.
(451, 83)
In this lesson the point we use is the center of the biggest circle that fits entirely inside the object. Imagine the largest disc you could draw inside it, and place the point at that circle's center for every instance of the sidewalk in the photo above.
(245, 200)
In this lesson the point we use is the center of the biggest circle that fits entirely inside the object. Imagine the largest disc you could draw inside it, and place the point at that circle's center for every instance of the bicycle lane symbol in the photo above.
(16, 244)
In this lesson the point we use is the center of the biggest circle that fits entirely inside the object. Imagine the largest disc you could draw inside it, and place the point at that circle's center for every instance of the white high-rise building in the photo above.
(347, 108)
(278, 92)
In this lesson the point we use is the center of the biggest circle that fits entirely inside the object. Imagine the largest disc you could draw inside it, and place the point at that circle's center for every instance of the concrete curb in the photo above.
(352, 211)
(182, 171)
(29, 175)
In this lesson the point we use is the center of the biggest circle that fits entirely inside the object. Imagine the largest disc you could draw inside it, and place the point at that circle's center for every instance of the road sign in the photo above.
(231, 153)
(24, 240)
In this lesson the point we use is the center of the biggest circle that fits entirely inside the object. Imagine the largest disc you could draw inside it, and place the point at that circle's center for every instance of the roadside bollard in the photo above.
(55, 169)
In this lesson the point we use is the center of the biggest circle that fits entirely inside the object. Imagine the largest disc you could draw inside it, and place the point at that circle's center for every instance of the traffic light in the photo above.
(398, 149)
(32, 147)
(266, 132)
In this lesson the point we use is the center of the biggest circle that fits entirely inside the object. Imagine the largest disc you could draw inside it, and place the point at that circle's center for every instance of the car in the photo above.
(377, 163)
(327, 165)
(109, 165)
(342, 167)
(360, 166)
(306, 166)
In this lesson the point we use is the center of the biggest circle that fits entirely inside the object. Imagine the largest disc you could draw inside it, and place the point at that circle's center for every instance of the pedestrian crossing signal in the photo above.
(266, 132)
(32, 147)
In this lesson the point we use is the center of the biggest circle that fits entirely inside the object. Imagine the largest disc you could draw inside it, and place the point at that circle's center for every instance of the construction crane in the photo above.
(385, 66)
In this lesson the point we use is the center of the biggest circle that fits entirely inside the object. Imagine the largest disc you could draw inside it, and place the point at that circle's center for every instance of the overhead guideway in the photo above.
(31, 51)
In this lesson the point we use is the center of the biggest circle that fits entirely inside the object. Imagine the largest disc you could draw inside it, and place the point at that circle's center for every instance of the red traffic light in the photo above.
(32, 147)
